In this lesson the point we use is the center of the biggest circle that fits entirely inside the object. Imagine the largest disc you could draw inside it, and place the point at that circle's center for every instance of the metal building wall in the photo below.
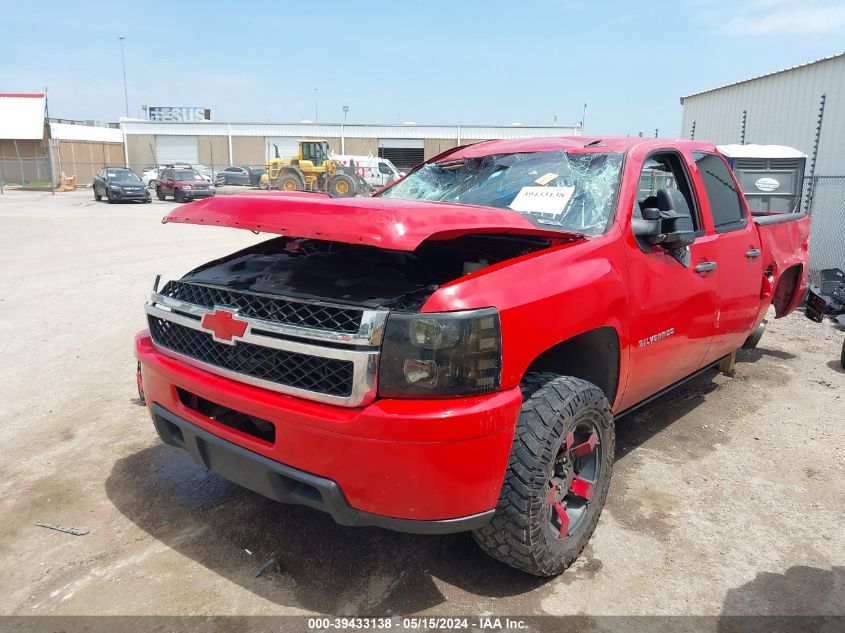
(781, 108)
(253, 143)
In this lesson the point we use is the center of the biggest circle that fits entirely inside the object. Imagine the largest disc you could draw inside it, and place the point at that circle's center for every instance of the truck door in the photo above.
(672, 303)
(738, 253)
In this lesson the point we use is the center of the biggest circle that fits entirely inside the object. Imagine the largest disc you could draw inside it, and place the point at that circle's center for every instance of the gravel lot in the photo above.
(728, 495)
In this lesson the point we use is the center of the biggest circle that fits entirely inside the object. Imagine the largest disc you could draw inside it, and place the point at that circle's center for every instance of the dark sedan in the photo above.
(238, 175)
(117, 184)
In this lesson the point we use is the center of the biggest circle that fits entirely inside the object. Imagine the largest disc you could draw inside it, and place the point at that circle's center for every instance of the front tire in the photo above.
(178, 196)
(160, 194)
(97, 196)
(341, 186)
(291, 182)
(557, 476)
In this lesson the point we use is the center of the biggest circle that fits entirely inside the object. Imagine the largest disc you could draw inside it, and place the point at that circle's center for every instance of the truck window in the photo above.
(725, 203)
(655, 175)
(384, 169)
(664, 170)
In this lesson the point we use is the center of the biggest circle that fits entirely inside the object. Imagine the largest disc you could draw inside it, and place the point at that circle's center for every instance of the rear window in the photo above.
(725, 199)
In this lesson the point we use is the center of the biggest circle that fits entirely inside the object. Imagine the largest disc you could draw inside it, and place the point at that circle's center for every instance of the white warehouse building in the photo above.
(219, 144)
(780, 108)
(801, 107)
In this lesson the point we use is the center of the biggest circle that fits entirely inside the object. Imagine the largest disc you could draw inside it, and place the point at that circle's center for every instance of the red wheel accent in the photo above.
(585, 448)
(564, 519)
(571, 484)
(581, 488)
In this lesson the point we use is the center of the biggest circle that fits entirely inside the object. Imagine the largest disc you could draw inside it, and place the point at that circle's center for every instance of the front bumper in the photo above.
(426, 466)
(285, 484)
(142, 194)
(194, 194)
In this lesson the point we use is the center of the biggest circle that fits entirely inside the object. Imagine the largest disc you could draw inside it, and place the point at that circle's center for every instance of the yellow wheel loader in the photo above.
(313, 170)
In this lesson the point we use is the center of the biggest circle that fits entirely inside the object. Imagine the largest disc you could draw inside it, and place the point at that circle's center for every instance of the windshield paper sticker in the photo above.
(545, 200)
(545, 179)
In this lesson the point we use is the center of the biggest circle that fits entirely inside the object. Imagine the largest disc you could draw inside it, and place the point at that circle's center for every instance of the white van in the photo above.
(378, 172)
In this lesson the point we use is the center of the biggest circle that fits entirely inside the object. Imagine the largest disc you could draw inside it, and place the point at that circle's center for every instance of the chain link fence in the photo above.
(32, 165)
(824, 199)
(27, 173)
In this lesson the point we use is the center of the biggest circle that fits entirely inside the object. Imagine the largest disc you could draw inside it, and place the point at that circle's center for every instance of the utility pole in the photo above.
(123, 63)
(343, 131)
(583, 118)
(316, 102)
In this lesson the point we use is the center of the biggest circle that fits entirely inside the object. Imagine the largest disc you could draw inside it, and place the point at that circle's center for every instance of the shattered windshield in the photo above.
(568, 191)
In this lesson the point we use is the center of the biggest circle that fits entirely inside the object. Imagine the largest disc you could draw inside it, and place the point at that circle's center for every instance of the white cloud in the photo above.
(772, 17)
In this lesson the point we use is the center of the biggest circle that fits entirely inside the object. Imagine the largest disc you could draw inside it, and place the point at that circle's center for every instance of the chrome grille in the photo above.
(302, 371)
(325, 363)
(278, 310)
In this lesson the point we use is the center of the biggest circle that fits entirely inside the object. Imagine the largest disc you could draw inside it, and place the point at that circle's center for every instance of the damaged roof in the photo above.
(569, 143)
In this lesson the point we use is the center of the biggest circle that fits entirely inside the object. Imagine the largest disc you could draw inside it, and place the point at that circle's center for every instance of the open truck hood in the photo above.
(388, 223)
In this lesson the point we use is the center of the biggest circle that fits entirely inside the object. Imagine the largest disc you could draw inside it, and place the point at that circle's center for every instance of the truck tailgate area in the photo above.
(785, 243)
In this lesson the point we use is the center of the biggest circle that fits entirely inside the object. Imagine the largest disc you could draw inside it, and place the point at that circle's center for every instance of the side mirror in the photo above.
(669, 225)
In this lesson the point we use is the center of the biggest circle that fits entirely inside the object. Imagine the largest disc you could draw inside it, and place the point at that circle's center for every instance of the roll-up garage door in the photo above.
(402, 152)
(177, 149)
(288, 146)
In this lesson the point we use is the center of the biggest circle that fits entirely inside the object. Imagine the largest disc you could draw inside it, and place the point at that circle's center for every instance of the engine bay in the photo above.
(360, 275)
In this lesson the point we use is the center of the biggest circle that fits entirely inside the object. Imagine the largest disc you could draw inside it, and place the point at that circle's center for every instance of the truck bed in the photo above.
(774, 217)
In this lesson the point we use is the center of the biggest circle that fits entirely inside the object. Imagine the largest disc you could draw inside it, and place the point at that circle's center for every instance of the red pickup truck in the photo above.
(450, 354)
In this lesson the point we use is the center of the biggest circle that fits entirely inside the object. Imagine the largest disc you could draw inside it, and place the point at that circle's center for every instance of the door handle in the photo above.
(752, 253)
(705, 267)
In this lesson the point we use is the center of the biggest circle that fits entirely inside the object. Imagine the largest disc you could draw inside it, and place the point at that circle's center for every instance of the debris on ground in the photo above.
(272, 564)
(69, 530)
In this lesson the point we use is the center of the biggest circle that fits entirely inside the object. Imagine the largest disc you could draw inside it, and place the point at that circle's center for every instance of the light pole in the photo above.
(343, 131)
(123, 63)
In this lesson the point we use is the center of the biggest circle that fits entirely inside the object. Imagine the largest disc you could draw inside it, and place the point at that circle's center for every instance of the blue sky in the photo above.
(430, 62)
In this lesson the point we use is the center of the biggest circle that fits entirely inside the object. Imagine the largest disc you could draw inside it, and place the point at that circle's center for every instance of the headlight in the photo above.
(114, 188)
(187, 187)
(442, 354)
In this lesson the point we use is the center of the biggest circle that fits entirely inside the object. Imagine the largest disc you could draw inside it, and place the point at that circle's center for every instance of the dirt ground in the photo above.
(728, 495)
